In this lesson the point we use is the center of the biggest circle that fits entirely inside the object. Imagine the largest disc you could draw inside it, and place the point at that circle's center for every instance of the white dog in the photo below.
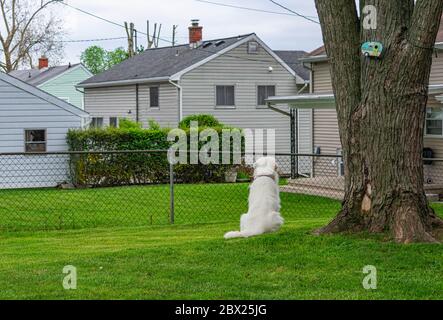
(264, 202)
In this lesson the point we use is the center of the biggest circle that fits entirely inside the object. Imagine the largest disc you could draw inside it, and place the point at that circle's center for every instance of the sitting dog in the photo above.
(264, 202)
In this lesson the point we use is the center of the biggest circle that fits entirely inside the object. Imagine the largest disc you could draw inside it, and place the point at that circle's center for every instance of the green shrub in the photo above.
(129, 124)
(102, 169)
(204, 120)
(120, 168)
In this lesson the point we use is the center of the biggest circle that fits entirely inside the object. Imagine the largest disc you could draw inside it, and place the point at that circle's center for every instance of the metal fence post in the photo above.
(171, 193)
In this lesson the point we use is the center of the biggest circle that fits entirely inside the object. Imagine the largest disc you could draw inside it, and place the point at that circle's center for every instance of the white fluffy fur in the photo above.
(264, 202)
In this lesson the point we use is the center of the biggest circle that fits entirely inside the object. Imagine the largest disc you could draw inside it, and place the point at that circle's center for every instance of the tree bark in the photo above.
(381, 107)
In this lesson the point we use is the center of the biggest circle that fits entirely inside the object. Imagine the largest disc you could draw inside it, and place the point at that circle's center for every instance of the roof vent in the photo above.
(219, 43)
(207, 44)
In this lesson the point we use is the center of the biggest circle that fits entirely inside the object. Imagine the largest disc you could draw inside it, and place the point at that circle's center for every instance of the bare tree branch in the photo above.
(30, 30)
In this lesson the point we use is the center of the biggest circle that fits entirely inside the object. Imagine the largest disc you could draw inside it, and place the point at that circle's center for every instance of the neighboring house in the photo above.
(32, 120)
(322, 125)
(59, 81)
(229, 78)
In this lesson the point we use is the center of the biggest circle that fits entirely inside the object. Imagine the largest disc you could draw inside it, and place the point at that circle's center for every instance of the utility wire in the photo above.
(249, 9)
(294, 12)
(92, 40)
(163, 39)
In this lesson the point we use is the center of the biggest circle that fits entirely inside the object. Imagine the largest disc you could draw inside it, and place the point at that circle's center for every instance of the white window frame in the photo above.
(38, 142)
(235, 96)
(426, 123)
(249, 47)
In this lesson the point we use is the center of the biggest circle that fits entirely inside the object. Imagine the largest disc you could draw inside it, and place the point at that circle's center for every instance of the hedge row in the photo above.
(97, 169)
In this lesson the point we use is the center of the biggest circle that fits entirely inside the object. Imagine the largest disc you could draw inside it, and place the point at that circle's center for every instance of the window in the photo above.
(225, 96)
(113, 122)
(263, 93)
(434, 121)
(154, 97)
(252, 47)
(35, 140)
(97, 122)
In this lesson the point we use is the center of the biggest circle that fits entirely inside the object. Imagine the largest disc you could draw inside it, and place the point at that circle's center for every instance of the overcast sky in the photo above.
(278, 31)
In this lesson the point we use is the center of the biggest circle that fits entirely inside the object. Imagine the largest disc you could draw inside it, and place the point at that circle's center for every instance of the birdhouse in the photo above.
(372, 49)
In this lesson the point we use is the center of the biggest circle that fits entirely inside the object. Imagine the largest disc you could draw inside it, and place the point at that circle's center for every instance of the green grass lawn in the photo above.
(52, 209)
(187, 261)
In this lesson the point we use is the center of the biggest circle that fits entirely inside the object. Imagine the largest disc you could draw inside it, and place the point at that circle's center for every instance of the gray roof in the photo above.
(162, 62)
(36, 77)
(292, 59)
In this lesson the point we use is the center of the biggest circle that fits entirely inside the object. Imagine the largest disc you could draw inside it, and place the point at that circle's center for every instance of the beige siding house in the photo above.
(229, 78)
(325, 133)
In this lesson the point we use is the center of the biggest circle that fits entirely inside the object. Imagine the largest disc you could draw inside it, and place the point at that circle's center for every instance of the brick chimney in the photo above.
(195, 33)
(43, 62)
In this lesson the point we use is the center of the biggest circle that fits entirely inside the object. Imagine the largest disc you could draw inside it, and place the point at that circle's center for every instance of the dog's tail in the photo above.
(235, 234)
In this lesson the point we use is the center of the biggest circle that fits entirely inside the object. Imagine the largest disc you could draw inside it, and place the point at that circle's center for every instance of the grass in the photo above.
(195, 262)
(49, 209)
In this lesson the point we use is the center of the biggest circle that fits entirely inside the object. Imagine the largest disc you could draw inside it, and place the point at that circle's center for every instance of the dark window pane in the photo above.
(97, 122)
(35, 140)
(221, 101)
(434, 127)
(271, 91)
(154, 97)
(113, 122)
(263, 93)
(230, 100)
(35, 135)
(225, 96)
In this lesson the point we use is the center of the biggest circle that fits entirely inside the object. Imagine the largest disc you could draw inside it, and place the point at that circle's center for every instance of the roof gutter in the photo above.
(121, 82)
(318, 58)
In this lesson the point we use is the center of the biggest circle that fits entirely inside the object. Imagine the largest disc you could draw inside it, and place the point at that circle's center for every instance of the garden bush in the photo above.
(111, 169)
(203, 120)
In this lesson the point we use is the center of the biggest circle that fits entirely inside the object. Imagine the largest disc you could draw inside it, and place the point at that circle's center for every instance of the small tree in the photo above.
(97, 59)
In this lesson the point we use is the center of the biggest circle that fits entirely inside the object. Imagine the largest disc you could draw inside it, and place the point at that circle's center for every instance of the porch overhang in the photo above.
(305, 101)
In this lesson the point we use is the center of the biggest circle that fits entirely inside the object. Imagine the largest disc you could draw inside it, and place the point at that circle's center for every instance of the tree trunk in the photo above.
(381, 108)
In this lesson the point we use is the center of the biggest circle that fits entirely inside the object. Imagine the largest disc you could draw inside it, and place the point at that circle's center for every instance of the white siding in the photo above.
(305, 139)
(20, 110)
(437, 69)
(121, 102)
(321, 74)
(239, 69)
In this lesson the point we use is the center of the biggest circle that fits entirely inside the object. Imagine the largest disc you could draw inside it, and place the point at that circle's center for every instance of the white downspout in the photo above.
(180, 106)
(304, 87)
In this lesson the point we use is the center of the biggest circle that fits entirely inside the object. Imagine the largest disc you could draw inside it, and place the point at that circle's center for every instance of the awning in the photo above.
(305, 101)
(327, 101)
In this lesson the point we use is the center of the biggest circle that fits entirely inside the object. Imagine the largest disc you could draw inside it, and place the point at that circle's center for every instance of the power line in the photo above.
(92, 40)
(249, 9)
(294, 12)
(163, 39)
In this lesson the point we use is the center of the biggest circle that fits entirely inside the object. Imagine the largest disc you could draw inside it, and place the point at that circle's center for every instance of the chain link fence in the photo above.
(72, 190)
